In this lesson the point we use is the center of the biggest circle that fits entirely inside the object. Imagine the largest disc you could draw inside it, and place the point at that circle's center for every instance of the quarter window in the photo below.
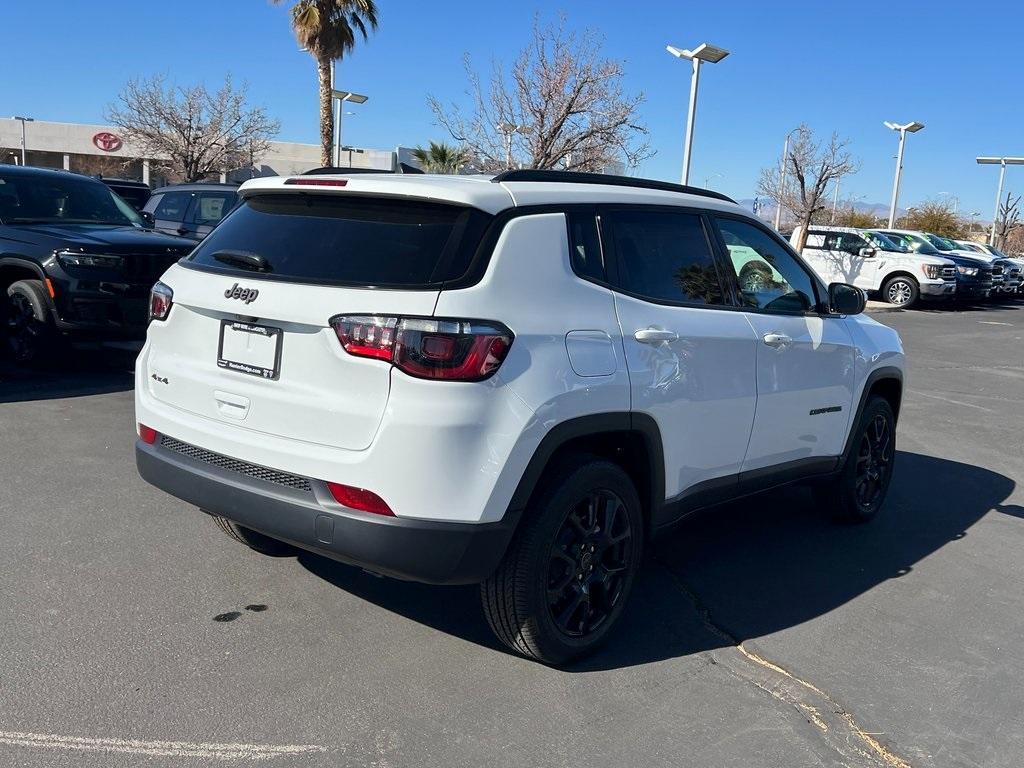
(211, 207)
(585, 246)
(769, 276)
(664, 256)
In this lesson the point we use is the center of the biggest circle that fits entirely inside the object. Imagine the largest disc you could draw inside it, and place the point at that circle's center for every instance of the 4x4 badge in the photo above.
(248, 295)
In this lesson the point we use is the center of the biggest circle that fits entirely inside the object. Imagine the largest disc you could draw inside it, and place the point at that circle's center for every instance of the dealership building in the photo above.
(101, 150)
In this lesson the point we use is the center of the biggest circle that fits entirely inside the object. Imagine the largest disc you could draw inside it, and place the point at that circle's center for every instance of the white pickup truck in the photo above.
(871, 261)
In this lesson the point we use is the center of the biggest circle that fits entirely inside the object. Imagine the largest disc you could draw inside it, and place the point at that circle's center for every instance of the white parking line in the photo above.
(158, 748)
(993, 322)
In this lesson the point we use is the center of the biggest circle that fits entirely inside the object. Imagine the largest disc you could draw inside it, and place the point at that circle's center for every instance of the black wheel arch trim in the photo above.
(593, 425)
(883, 373)
(23, 263)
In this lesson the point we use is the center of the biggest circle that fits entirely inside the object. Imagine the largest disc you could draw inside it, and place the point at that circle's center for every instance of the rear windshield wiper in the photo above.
(243, 259)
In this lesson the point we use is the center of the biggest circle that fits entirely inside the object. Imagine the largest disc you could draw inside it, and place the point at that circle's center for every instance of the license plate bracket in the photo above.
(249, 348)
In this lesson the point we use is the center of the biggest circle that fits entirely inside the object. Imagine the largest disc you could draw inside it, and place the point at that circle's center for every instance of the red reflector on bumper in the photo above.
(148, 434)
(359, 498)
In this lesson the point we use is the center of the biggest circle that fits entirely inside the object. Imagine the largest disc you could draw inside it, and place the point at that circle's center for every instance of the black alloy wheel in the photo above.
(874, 462)
(589, 563)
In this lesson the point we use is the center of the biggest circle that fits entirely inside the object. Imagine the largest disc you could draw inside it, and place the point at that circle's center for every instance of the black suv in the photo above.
(75, 261)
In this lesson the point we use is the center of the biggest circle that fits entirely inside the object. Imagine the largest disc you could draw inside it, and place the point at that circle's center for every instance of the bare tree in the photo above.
(811, 166)
(193, 132)
(1008, 219)
(560, 106)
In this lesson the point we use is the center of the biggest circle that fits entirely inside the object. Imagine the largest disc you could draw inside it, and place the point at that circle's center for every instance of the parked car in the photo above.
(1005, 275)
(974, 273)
(191, 210)
(451, 379)
(1013, 267)
(876, 264)
(75, 262)
(135, 193)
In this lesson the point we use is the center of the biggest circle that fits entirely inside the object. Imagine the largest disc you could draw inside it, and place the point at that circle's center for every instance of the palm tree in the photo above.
(328, 30)
(441, 158)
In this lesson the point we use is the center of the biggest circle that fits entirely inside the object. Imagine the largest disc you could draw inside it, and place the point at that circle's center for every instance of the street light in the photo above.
(507, 129)
(903, 131)
(1002, 162)
(23, 121)
(782, 178)
(342, 97)
(703, 52)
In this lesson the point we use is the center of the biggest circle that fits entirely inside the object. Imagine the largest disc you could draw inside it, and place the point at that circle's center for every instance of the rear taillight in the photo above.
(148, 434)
(160, 299)
(359, 498)
(428, 348)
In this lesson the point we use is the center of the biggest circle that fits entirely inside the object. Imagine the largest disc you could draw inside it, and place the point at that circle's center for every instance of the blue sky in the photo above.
(835, 65)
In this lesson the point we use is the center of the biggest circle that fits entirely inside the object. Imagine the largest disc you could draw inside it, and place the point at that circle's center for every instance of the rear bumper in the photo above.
(417, 550)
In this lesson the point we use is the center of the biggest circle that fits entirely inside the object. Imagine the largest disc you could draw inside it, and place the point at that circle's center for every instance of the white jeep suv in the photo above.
(514, 381)
(871, 261)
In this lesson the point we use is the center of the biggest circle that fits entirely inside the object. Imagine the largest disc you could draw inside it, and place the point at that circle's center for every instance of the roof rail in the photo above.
(578, 177)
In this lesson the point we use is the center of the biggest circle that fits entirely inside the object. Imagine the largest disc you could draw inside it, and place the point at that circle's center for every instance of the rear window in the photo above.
(338, 240)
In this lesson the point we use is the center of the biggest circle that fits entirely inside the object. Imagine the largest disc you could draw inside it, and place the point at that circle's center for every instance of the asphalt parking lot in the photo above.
(760, 634)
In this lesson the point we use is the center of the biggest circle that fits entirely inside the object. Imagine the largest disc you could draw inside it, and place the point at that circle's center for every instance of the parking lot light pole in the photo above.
(703, 52)
(1002, 162)
(342, 97)
(903, 131)
(782, 179)
(23, 121)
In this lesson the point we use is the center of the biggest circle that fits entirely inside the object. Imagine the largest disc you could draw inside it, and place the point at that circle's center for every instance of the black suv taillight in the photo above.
(428, 348)
(160, 299)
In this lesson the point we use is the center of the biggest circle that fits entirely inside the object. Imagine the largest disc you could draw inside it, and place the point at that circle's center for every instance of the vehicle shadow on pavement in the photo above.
(751, 568)
(78, 374)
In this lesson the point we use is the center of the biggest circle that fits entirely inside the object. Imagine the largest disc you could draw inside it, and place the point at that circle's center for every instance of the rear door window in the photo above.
(172, 206)
(663, 256)
(330, 239)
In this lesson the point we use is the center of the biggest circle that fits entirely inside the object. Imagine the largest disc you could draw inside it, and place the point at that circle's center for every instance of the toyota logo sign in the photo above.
(107, 141)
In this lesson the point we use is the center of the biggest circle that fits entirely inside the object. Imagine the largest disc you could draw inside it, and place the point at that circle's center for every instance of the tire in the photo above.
(901, 291)
(560, 589)
(255, 540)
(31, 335)
(843, 496)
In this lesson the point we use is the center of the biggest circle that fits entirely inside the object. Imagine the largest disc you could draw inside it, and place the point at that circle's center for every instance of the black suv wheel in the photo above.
(563, 584)
(858, 491)
(31, 334)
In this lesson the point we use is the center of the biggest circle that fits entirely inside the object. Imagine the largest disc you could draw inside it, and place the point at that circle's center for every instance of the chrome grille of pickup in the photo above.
(254, 471)
(949, 273)
(997, 270)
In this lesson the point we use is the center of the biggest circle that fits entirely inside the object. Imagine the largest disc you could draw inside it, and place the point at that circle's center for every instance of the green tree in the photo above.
(328, 30)
(851, 217)
(441, 158)
(937, 217)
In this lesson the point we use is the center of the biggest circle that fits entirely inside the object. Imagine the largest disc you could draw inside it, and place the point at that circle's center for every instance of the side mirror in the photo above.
(148, 219)
(845, 299)
(867, 253)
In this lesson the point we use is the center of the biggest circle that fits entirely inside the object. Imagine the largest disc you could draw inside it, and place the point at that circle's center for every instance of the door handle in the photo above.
(776, 339)
(654, 335)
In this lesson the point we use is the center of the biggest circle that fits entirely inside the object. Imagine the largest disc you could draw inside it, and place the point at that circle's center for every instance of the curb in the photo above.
(880, 306)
